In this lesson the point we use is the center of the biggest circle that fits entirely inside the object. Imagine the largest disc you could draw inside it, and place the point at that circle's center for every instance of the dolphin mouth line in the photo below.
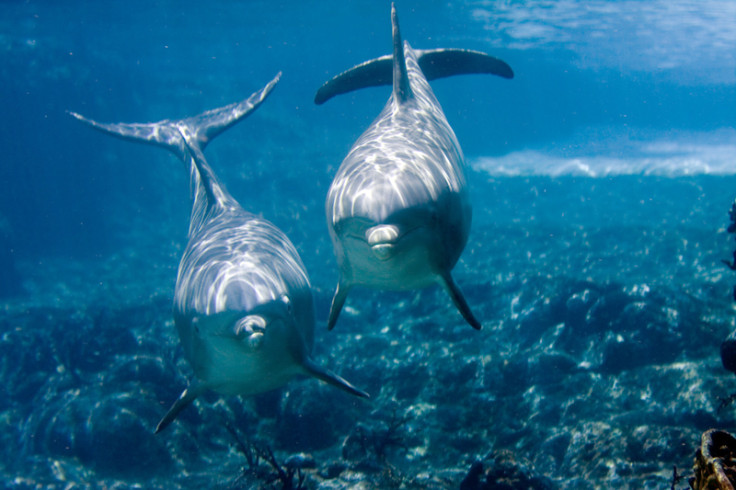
(384, 241)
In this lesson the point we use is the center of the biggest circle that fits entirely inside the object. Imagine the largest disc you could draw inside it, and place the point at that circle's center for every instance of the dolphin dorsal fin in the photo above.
(402, 87)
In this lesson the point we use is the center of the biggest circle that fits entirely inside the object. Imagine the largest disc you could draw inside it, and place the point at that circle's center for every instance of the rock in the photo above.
(300, 461)
(552, 368)
(577, 306)
(644, 334)
(472, 480)
(117, 438)
(356, 447)
(503, 472)
(312, 417)
(728, 353)
(110, 433)
(606, 310)
(714, 466)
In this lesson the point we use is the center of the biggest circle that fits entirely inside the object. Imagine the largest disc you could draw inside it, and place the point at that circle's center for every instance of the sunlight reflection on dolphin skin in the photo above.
(398, 210)
(242, 302)
(231, 267)
(408, 158)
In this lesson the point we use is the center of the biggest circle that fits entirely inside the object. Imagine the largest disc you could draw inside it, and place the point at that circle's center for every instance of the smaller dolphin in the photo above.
(398, 209)
(242, 303)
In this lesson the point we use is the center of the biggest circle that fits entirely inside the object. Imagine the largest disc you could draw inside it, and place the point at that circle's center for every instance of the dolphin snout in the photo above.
(251, 328)
(382, 240)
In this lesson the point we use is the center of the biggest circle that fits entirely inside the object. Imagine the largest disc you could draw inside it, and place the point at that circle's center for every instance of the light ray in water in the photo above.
(704, 154)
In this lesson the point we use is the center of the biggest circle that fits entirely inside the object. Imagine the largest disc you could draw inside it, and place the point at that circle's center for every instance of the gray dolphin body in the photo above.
(398, 209)
(242, 304)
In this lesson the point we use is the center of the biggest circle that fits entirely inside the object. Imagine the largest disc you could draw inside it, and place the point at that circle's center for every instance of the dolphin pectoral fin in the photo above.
(185, 399)
(338, 301)
(331, 378)
(459, 299)
(440, 63)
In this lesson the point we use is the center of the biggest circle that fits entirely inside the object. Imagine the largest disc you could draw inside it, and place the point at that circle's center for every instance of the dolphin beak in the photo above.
(382, 240)
(251, 329)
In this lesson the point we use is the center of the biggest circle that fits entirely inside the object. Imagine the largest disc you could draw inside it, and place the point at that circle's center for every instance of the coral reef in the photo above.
(584, 375)
(715, 462)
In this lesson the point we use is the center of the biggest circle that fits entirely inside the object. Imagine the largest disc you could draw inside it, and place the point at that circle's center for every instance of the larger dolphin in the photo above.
(242, 303)
(398, 209)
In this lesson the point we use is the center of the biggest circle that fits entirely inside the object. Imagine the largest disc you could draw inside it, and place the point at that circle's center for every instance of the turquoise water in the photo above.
(601, 177)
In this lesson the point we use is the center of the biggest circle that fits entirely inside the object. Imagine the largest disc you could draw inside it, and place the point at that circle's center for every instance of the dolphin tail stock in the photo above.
(459, 299)
(338, 301)
(329, 377)
(202, 128)
(402, 87)
(185, 399)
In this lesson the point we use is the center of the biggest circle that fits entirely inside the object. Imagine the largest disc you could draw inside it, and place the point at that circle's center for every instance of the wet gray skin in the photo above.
(398, 209)
(242, 304)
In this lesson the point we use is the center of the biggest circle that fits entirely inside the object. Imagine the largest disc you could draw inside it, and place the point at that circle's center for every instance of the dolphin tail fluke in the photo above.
(162, 133)
(331, 378)
(201, 129)
(435, 63)
(372, 73)
(185, 399)
(211, 123)
(459, 299)
(391, 69)
(441, 63)
(338, 301)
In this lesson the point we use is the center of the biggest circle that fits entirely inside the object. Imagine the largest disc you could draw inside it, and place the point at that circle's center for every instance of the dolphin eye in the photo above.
(285, 299)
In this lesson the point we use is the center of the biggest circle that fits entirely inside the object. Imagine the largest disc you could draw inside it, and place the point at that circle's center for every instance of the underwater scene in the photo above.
(483, 244)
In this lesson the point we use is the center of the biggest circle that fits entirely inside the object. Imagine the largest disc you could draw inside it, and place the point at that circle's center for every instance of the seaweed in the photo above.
(732, 229)
(728, 346)
(390, 436)
(272, 475)
(377, 441)
(676, 477)
(726, 402)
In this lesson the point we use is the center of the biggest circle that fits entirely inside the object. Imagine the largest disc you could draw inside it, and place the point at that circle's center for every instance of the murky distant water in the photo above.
(601, 178)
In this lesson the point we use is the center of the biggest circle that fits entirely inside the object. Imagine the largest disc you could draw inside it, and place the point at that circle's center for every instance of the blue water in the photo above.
(607, 165)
